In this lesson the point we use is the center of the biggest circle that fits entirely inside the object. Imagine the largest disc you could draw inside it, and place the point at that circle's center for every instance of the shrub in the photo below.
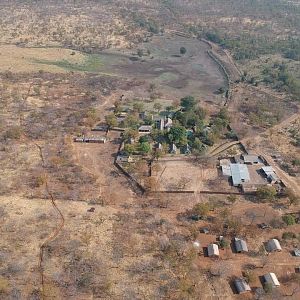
(266, 193)
(289, 220)
(224, 244)
(182, 50)
(268, 287)
(288, 235)
(14, 133)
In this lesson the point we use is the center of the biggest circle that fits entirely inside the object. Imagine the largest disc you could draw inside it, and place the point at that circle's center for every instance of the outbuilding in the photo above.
(240, 245)
(269, 172)
(251, 159)
(213, 250)
(273, 245)
(296, 252)
(241, 286)
(145, 129)
(271, 278)
(173, 149)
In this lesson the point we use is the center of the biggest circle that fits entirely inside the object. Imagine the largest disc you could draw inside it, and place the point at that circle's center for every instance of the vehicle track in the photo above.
(54, 234)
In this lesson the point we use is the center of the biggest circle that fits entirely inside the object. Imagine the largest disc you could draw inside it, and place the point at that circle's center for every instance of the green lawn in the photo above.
(93, 63)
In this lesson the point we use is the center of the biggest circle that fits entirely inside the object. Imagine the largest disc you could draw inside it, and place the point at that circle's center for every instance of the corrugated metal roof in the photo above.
(241, 286)
(274, 245)
(240, 245)
(268, 169)
(251, 159)
(226, 170)
(213, 250)
(272, 279)
(239, 173)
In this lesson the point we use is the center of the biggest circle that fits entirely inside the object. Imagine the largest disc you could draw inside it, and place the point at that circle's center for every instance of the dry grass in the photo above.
(16, 59)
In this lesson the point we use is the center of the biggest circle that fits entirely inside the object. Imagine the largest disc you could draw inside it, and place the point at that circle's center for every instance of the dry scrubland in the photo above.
(116, 244)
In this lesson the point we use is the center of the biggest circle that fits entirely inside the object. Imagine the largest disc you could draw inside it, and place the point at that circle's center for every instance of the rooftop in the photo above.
(241, 286)
(252, 159)
(239, 173)
(240, 245)
(213, 250)
(272, 279)
(273, 245)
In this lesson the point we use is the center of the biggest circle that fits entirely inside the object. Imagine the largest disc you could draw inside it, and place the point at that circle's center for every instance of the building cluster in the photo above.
(238, 169)
(240, 246)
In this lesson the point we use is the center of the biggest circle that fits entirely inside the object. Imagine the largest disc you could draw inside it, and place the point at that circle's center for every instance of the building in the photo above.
(173, 149)
(124, 158)
(251, 159)
(269, 172)
(238, 172)
(145, 129)
(168, 123)
(241, 286)
(159, 147)
(160, 123)
(273, 245)
(213, 250)
(164, 123)
(240, 245)
(92, 139)
(187, 149)
(100, 128)
(271, 278)
(296, 252)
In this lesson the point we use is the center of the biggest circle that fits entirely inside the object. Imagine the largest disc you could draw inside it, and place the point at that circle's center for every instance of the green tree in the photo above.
(157, 106)
(138, 107)
(188, 102)
(131, 133)
(182, 50)
(144, 147)
(177, 135)
(129, 149)
(198, 146)
(289, 220)
(266, 193)
(132, 121)
(224, 243)
(293, 198)
(111, 120)
(202, 209)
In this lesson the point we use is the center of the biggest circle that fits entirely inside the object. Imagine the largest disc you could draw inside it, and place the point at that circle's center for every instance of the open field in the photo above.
(183, 175)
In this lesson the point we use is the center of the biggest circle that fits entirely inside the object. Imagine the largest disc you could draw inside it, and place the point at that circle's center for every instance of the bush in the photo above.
(289, 220)
(268, 287)
(182, 50)
(288, 235)
(266, 193)
(224, 244)
(13, 133)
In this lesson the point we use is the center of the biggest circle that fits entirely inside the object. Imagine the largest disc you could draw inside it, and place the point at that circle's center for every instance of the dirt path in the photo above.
(56, 231)
(222, 148)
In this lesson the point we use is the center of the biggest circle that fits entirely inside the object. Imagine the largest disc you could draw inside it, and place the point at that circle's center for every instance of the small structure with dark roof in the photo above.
(240, 245)
(241, 286)
(273, 245)
(271, 278)
(213, 250)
